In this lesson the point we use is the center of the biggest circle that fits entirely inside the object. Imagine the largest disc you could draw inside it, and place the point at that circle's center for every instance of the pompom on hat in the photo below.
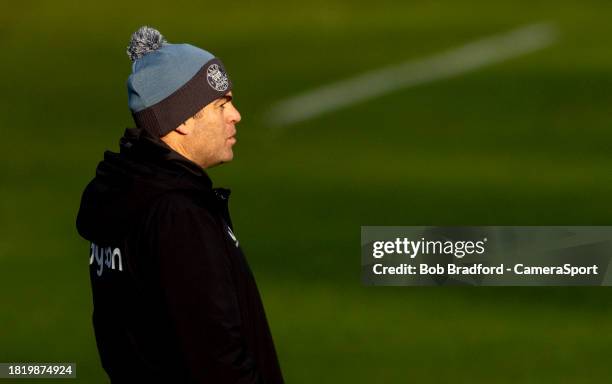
(170, 83)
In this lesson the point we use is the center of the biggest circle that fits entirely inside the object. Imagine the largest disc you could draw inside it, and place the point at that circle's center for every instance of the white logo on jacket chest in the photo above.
(105, 257)
(231, 234)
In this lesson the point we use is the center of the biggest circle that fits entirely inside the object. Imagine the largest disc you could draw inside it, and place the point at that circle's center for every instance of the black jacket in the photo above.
(174, 298)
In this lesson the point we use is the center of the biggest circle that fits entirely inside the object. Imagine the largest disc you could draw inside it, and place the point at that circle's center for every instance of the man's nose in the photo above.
(235, 115)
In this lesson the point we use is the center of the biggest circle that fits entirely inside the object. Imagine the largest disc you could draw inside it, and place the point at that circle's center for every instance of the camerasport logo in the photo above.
(217, 78)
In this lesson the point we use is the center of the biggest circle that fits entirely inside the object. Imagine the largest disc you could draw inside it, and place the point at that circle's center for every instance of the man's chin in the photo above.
(229, 157)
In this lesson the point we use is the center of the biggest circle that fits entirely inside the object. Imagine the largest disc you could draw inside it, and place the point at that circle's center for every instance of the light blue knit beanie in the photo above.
(170, 83)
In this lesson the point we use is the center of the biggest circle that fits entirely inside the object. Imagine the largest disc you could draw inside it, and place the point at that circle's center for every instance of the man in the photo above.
(174, 298)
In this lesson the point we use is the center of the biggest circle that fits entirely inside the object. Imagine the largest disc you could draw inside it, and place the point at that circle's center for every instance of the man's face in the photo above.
(213, 132)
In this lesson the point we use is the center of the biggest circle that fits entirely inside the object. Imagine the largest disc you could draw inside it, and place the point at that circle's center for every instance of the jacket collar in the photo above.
(139, 142)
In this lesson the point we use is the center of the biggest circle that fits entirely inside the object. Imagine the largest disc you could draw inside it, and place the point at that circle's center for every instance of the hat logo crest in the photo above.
(217, 78)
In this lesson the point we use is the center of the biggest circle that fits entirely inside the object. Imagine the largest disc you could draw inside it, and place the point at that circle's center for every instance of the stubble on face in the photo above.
(214, 132)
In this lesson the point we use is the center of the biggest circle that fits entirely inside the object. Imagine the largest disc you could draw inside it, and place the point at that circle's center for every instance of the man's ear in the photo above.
(185, 127)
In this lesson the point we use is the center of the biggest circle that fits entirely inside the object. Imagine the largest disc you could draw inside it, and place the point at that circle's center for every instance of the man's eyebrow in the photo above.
(224, 99)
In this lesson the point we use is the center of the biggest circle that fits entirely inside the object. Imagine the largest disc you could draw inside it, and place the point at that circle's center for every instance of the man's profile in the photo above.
(174, 298)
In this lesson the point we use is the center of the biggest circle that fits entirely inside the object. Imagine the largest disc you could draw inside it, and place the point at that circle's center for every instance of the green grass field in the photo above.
(524, 142)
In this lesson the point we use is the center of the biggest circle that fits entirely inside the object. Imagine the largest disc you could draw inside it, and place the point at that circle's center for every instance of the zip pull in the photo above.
(222, 193)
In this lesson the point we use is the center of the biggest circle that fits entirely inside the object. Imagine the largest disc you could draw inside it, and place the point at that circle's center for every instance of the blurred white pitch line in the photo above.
(453, 62)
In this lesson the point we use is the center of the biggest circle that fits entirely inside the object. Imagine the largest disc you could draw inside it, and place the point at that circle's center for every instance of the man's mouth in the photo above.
(232, 137)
